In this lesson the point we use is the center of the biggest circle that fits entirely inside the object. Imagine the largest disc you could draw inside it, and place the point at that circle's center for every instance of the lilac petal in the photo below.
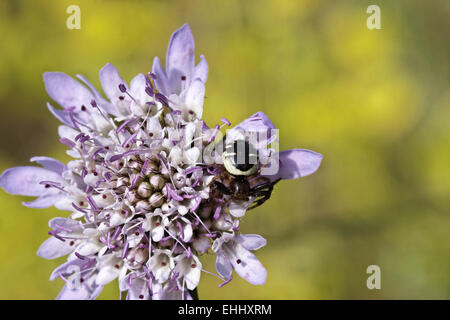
(26, 180)
(44, 201)
(137, 87)
(106, 275)
(223, 266)
(161, 81)
(157, 291)
(67, 142)
(138, 84)
(248, 266)
(258, 124)
(168, 293)
(297, 163)
(157, 233)
(61, 115)
(192, 277)
(104, 105)
(201, 70)
(66, 268)
(67, 132)
(251, 241)
(64, 203)
(195, 97)
(53, 248)
(73, 271)
(67, 91)
(110, 80)
(64, 223)
(50, 164)
(238, 208)
(138, 290)
(180, 57)
(84, 292)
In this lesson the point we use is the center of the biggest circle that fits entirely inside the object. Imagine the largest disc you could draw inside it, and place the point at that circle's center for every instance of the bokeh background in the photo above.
(375, 103)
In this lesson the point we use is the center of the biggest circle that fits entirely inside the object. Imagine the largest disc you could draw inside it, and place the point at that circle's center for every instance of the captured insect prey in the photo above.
(240, 178)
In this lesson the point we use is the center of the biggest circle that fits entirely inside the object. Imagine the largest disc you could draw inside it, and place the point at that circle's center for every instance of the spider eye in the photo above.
(240, 158)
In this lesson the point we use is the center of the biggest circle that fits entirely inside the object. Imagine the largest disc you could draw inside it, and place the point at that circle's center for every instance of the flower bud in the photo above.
(164, 191)
(136, 176)
(156, 200)
(144, 189)
(152, 166)
(132, 197)
(157, 182)
(143, 205)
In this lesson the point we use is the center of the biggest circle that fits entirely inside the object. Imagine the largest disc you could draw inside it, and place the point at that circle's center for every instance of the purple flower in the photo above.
(144, 205)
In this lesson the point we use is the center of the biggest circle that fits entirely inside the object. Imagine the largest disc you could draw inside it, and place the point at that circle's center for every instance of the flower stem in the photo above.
(194, 294)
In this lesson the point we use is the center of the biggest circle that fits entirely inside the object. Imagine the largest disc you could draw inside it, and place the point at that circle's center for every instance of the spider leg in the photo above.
(259, 201)
(267, 184)
(262, 193)
(259, 180)
(261, 196)
(221, 187)
(220, 176)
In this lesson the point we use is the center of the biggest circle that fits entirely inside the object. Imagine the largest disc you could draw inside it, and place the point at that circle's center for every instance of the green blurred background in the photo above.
(375, 103)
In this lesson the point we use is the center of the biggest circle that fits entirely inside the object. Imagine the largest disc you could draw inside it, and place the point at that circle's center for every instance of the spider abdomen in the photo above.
(240, 189)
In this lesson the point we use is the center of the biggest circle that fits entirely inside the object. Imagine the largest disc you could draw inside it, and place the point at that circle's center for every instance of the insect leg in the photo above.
(221, 187)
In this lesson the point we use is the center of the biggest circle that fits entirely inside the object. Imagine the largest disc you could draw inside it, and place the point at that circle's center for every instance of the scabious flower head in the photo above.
(144, 204)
